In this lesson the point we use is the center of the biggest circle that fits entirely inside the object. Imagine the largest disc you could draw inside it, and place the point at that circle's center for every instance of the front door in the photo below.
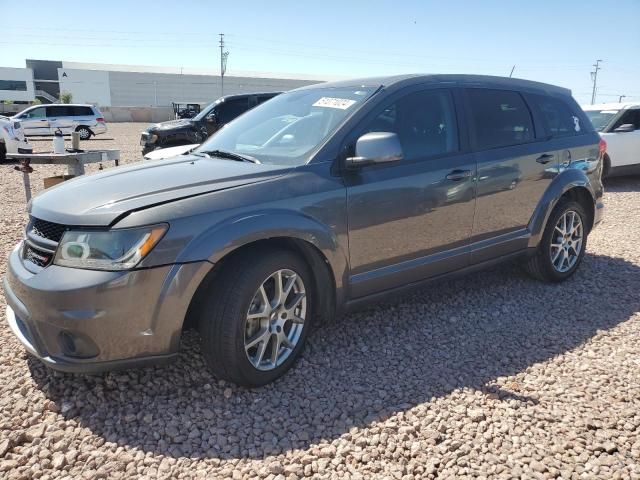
(34, 122)
(624, 147)
(411, 219)
(514, 170)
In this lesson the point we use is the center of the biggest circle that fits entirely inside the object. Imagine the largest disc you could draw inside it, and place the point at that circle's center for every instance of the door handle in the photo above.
(43, 120)
(544, 159)
(457, 175)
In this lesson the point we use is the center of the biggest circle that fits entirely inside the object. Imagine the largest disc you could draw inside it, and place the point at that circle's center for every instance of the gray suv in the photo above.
(314, 203)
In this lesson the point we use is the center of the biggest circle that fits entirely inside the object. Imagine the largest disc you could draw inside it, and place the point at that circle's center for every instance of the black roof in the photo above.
(397, 81)
(240, 95)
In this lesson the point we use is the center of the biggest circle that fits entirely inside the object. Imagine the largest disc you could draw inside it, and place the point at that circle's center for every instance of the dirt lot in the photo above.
(493, 375)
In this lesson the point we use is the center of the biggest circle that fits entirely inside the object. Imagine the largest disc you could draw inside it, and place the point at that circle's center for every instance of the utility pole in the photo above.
(223, 63)
(621, 97)
(594, 78)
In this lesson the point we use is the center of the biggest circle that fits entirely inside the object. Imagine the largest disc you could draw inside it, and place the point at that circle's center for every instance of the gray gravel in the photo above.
(494, 375)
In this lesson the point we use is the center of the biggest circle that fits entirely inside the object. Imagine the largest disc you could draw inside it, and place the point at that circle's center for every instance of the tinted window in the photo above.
(15, 85)
(560, 120)
(81, 111)
(58, 111)
(500, 118)
(630, 116)
(425, 123)
(230, 109)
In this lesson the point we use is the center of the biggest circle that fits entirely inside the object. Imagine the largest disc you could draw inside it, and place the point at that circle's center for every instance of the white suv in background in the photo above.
(46, 119)
(619, 126)
(12, 138)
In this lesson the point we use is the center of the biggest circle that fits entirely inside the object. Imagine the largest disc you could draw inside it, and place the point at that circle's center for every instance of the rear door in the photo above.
(34, 121)
(515, 167)
(60, 118)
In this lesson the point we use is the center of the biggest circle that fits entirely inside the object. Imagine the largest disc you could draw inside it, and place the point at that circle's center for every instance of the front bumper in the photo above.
(88, 321)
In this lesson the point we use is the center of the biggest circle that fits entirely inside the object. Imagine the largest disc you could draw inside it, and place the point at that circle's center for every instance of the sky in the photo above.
(550, 41)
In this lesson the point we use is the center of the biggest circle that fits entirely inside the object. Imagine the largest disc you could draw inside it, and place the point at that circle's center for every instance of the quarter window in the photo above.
(500, 118)
(424, 121)
(560, 120)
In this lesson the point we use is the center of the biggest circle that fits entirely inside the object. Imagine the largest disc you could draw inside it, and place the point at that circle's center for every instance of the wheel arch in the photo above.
(571, 183)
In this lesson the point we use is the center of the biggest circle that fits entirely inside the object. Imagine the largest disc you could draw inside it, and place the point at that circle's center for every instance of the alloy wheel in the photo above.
(275, 320)
(567, 240)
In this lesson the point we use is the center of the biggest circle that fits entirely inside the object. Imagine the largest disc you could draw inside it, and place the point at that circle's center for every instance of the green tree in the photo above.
(66, 97)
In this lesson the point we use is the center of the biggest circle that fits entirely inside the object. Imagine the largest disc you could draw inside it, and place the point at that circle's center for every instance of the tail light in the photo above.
(100, 119)
(602, 147)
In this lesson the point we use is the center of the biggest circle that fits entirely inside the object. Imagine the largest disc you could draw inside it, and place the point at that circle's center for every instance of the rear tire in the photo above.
(3, 152)
(85, 133)
(249, 337)
(560, 250)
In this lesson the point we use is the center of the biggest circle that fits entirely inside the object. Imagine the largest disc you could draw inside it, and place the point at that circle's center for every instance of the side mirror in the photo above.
(627, 127)
(374, 148)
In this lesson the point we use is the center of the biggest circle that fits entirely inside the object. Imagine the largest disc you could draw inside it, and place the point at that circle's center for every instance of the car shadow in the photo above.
(630, 183)
(464, 333)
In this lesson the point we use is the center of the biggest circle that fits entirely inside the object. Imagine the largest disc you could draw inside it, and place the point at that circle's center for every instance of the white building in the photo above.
(16, 85)
(107, 85)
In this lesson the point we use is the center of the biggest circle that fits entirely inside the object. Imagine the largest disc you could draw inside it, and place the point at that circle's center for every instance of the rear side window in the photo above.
(500, 118)
(559, 119)
(58, 111)
(81, 111)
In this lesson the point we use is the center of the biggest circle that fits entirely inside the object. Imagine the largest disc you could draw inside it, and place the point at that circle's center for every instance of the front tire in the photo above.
(256, 319)
(563, 243)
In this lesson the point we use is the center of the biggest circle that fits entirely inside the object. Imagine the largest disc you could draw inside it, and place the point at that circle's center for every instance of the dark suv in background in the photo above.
(319, 201)
(197, 129)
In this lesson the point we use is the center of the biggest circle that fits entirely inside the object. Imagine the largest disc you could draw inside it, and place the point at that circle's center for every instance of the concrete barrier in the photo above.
(137, 114)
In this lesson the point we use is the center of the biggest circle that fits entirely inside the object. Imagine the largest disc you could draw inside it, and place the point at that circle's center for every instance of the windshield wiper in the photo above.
(230, 155)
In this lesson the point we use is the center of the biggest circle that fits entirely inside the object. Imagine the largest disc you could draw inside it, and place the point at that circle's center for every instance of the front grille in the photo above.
(37, 256)
(48, 230)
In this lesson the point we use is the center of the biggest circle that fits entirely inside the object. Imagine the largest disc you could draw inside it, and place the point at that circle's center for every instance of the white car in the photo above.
(46, 119)
(619, 126)
(12, 138)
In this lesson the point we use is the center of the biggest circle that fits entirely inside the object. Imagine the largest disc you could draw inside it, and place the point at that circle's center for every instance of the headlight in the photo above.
(107, 250)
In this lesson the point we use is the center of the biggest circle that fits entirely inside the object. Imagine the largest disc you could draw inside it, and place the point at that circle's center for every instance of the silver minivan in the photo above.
(47, 119)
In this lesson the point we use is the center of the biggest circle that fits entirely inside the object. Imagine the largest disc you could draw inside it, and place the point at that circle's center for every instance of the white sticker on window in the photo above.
(576, 124)
(329, 102)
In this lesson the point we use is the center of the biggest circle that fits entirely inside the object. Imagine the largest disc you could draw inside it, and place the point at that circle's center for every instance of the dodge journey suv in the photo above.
(311, 204)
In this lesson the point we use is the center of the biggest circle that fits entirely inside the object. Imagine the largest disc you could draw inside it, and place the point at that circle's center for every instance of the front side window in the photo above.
(560, 120)
(288, 129)
(500, 118)
(230, 109)
(424, 121)
(629, 117)
(35, 113)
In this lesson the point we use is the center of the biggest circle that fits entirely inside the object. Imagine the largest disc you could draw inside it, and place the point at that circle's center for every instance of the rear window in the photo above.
(559, 119)
(500, 118)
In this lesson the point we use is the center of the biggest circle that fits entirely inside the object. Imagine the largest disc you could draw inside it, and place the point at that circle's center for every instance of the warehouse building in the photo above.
(131, 86)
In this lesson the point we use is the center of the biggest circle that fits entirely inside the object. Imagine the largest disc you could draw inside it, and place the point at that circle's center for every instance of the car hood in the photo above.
(170, 152)
(171, 124)
(101, 199)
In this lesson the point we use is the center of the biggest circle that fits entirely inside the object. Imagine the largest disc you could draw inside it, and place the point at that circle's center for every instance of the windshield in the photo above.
(288, 128)
(206, 111)
(601, 118)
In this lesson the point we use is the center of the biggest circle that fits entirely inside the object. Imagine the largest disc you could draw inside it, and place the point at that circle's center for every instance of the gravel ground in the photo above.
(494, 375)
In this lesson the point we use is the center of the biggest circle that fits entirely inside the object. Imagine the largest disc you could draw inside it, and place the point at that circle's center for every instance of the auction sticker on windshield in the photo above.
(330, 102)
